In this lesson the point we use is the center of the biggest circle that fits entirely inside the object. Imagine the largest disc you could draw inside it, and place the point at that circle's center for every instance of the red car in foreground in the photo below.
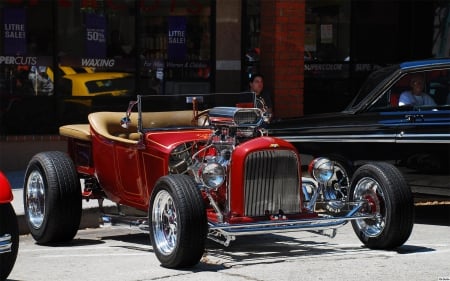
(189, 175)
(9, 229)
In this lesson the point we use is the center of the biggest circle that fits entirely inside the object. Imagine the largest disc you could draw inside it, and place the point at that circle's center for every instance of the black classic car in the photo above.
(378, 126)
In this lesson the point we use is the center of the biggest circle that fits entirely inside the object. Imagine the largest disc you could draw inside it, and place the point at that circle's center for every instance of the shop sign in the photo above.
(14, 31)
(95, 36)
(326, 70)
(176, 48)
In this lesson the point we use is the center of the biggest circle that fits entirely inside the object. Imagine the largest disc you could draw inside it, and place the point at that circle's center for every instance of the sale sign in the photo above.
(176, 47)
(95, 36)
(14, 31)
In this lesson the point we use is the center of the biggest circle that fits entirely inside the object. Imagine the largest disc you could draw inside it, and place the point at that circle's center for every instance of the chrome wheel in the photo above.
(385, 194)
(338, 185)
(369, 190)
(165, 223)
(35, 199)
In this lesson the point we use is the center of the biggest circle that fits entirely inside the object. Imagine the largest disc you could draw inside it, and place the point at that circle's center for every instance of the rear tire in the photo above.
(52, 198)
(8, 225)
(177, 221)
(388, 196)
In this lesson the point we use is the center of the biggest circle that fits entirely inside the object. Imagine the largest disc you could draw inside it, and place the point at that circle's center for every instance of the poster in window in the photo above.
(176, 48)
(14, 31)
(95, 36)
(326, 33)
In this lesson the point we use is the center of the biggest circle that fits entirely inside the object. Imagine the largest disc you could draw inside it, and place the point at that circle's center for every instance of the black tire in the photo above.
(52, 198)
(389, 196)
(8, 225)
(177, 221)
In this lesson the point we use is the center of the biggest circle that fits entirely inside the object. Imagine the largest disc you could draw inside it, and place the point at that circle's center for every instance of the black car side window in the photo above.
(439, 87)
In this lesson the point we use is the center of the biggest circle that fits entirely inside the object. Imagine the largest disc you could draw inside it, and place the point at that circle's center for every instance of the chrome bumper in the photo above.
(5, 243)
(278, 226)
(267, 227)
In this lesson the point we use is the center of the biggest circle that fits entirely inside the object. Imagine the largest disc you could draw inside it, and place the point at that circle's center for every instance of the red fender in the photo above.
(6, 195)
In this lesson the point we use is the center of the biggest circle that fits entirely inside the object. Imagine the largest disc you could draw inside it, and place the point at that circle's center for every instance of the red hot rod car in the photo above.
(214, 174)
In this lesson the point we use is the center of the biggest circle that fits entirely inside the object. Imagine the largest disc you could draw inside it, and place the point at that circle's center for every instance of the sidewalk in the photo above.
(90, 214)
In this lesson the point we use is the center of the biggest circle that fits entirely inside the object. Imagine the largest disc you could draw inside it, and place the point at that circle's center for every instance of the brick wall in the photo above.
(282, 58)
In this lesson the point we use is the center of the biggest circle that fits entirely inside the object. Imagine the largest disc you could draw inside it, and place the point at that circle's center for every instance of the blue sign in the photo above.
(176, 47)
(95, 36)
(14, 31)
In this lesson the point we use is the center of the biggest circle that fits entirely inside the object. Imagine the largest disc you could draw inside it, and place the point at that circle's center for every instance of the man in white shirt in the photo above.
(416, 96)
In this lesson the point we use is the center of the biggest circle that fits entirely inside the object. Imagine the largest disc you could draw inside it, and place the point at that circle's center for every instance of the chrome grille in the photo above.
(271, 183)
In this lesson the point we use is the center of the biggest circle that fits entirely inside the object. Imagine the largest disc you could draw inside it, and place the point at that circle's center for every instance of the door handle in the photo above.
(413, 118)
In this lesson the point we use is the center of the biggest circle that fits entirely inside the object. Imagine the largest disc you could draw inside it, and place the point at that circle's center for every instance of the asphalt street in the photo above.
(124, 254)
(117, 253)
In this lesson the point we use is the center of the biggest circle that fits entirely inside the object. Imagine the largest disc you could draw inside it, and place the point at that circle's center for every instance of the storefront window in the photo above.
(327, 55)
(327, 34)
(61, 60)
(26, 49)
(98, 38)
(176, 46)
(252, 27)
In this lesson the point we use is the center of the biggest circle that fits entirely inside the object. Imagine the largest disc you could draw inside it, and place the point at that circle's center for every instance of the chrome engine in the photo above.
(231, 126)
(209, 162)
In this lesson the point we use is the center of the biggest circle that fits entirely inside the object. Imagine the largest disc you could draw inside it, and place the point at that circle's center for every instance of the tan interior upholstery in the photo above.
(77, 131)
(107, 124)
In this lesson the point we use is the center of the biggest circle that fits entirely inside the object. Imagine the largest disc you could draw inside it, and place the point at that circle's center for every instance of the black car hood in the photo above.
(316, 122)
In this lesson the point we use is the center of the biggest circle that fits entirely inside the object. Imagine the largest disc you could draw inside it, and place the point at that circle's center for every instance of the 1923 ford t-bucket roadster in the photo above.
(206, 174)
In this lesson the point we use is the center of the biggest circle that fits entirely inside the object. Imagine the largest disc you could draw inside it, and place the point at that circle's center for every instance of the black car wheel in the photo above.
(389, 198)
(177, 221)
(52, 198)
(343, 171)
(9, 233)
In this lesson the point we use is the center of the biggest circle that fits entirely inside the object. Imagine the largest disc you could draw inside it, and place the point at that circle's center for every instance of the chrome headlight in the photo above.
(321, 169)
(212, 175)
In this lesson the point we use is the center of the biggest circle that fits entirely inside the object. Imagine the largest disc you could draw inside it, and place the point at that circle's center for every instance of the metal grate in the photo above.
(271, 183)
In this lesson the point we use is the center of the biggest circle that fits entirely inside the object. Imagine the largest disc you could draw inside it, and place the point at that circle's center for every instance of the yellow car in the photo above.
(95, 84)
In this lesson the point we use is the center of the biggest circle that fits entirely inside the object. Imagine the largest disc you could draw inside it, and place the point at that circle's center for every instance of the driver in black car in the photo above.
(416, 96)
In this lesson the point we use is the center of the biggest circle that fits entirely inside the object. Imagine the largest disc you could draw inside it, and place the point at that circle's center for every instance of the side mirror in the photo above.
(125, 121)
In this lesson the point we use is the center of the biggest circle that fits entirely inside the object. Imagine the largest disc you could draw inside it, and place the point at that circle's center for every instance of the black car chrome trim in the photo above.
(341, 138)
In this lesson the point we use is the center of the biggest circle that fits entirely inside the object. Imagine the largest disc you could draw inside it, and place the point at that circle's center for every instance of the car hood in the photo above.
(313, 122)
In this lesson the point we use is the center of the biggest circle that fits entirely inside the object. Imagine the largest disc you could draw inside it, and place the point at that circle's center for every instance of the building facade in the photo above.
(61, 59)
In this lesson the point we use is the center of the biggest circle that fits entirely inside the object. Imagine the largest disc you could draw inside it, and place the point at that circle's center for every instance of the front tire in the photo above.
(52, 198)
(8, 226)
(177, 221)
(388, 196)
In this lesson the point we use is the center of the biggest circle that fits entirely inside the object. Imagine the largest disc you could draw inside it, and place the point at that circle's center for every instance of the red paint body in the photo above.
(127, 172)
(6, 195)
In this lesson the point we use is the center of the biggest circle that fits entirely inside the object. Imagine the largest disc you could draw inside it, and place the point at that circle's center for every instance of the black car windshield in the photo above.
(375, 79)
